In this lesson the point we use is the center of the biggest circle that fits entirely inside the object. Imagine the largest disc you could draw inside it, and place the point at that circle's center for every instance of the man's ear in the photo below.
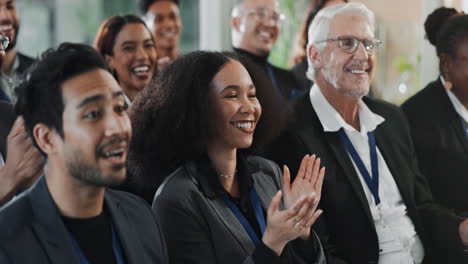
(314, 56)
(236, 23)
(46, 138)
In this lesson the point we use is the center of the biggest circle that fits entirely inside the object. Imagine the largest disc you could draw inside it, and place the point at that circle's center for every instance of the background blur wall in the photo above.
(406, 62)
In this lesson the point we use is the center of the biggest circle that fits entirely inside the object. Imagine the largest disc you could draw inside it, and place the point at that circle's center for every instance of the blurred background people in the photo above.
(14, 63)
(24, 163)
(255, 27)
(222, 205)
(438, 118)
(163, 19)
(299, 54)
(129, 49)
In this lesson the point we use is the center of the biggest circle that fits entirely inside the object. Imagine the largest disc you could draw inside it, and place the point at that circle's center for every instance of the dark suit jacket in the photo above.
(32, 231)
(7, 117)
(441, 146)
(203, 230)
(346, 227)
(24, 62)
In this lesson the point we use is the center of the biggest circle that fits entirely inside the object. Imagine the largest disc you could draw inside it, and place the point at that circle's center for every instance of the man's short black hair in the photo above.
(40, 96)
(145, 4)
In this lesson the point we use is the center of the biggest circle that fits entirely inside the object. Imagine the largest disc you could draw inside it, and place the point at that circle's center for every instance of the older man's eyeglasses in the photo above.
(350, 44)
(265, 13)
(4, 41)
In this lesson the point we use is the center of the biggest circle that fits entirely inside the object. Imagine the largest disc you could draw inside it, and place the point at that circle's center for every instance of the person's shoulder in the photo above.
(15, 216)
(7, 113)
(24, 62)
(262, 164)
(180, 185)
(25, 59)
(383, 108)
(425, 99)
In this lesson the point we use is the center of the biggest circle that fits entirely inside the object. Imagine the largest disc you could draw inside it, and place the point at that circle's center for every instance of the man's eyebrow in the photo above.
(117, 94)
(90, 99)
(97, 97)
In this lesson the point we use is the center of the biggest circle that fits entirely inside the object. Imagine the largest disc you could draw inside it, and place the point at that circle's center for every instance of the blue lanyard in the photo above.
(372, 182)
(4, 96)
(116, 246)
(256, 205)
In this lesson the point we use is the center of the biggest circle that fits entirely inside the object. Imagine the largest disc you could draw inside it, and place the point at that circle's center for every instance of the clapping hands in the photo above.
(301, 199)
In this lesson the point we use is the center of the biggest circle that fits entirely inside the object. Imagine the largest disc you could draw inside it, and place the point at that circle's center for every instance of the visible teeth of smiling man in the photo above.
(113, 152)
(8, 27)
(265, 34)
(358, 71)
(168, 34)
(247, 125)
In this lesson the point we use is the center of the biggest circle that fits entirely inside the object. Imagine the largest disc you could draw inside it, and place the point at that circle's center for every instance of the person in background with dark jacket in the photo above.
(255, 27)
(24, 164)
(14, 63)
(438, 117)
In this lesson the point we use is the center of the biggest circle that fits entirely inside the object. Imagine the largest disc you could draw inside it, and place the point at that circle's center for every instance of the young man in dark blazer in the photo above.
(377, 207)
(76, 114)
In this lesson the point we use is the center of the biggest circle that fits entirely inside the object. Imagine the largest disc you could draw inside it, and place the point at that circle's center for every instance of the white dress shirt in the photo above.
(459, 107)
(398, 240)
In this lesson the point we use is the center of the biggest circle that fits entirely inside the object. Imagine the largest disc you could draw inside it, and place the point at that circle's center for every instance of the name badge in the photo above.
(388, 241)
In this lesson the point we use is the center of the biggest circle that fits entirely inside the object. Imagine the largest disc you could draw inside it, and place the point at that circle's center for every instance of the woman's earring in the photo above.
(448, 84)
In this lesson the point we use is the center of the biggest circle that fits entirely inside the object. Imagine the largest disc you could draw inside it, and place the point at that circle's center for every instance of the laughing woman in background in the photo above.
(130, 51)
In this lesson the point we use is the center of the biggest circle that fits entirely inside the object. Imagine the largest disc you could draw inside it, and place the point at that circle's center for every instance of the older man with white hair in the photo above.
(377, 207)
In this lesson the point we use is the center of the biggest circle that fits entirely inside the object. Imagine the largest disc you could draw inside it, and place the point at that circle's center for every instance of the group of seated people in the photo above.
(134, 157)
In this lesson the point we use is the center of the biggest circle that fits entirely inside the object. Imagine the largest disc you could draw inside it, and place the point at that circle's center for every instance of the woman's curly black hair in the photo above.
(171, 116)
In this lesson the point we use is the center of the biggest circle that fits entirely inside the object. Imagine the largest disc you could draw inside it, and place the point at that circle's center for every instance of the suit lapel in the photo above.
(226, 216)
(125, 230)
(49, 227)
(345, 163)
(447, 117)
(232, 224)
(390, 155)
(265, 188)
(307, 115)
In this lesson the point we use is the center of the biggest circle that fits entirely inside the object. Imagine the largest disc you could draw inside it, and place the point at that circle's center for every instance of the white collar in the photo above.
(459, 107)
(332, 121)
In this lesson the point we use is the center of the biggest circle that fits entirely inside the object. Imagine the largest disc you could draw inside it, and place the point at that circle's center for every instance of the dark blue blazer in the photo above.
(32, 231)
